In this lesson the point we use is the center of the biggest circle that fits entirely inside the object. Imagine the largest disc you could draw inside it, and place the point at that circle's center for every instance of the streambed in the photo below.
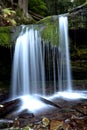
(71, 116)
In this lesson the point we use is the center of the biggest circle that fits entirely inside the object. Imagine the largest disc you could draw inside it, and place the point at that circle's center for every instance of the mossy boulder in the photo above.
(5, 36)
(50, 31)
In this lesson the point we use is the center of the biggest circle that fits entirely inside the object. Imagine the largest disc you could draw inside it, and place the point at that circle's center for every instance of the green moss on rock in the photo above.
(5, 36)
(50, 29)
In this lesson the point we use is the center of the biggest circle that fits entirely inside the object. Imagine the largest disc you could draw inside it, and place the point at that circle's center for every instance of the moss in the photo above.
(50, 29)
(5, 36)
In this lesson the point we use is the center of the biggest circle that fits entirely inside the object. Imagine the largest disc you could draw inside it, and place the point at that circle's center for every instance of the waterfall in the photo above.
(54, 69)
(32, 56)
(37, 63)
(65, 80)
(28, 75)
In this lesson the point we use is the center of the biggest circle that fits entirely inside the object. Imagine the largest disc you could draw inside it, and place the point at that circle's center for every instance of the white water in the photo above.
(28, 67)
(65, 81)
(54, 70)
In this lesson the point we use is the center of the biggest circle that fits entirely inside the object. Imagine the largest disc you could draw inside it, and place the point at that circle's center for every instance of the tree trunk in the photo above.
(23, 5)
(20, 4)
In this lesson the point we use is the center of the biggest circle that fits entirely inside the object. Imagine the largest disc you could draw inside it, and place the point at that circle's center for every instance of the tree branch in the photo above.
(78, 8)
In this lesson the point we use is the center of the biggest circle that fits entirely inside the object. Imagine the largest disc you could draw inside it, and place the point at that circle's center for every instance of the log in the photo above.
(8, 107)
(39, 16)
(36, 16)
(48, 102)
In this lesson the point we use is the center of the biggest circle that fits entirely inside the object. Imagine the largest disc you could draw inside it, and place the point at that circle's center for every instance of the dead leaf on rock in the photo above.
(59, 125)
(45, 121)
(56, 125)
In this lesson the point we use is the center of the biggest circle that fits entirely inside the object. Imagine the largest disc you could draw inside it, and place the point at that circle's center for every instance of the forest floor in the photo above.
(69, 115)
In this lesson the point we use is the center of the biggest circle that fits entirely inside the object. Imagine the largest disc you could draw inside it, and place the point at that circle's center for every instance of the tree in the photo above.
(23, 5)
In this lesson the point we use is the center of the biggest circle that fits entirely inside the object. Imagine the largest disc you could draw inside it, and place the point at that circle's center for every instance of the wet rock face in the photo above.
(3, 95)
(78, 52)
(78, 36)
(5, 64)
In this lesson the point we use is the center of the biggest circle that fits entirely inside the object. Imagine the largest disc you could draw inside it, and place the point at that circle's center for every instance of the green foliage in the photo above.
(8, 12)
(78, 3)
(5, 36)
(62, 6)
(77, 22)
(66, 5)
(38, 6)
(8, 16)
(58, 6)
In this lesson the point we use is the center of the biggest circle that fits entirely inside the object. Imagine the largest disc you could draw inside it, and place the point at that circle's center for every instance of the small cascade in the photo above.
(54, 69)
(64, 71)
(41, 68)
(36, 62)
(28, 75)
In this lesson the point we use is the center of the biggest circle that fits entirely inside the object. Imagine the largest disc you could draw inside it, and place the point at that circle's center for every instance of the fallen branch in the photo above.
(48, 102)
(78, 8)
(36, 16)
(84, 114)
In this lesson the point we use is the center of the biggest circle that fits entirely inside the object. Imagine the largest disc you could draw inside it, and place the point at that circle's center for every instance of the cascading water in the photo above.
(65, 81)
(28, 67)
(54, 70)
(63, 62)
